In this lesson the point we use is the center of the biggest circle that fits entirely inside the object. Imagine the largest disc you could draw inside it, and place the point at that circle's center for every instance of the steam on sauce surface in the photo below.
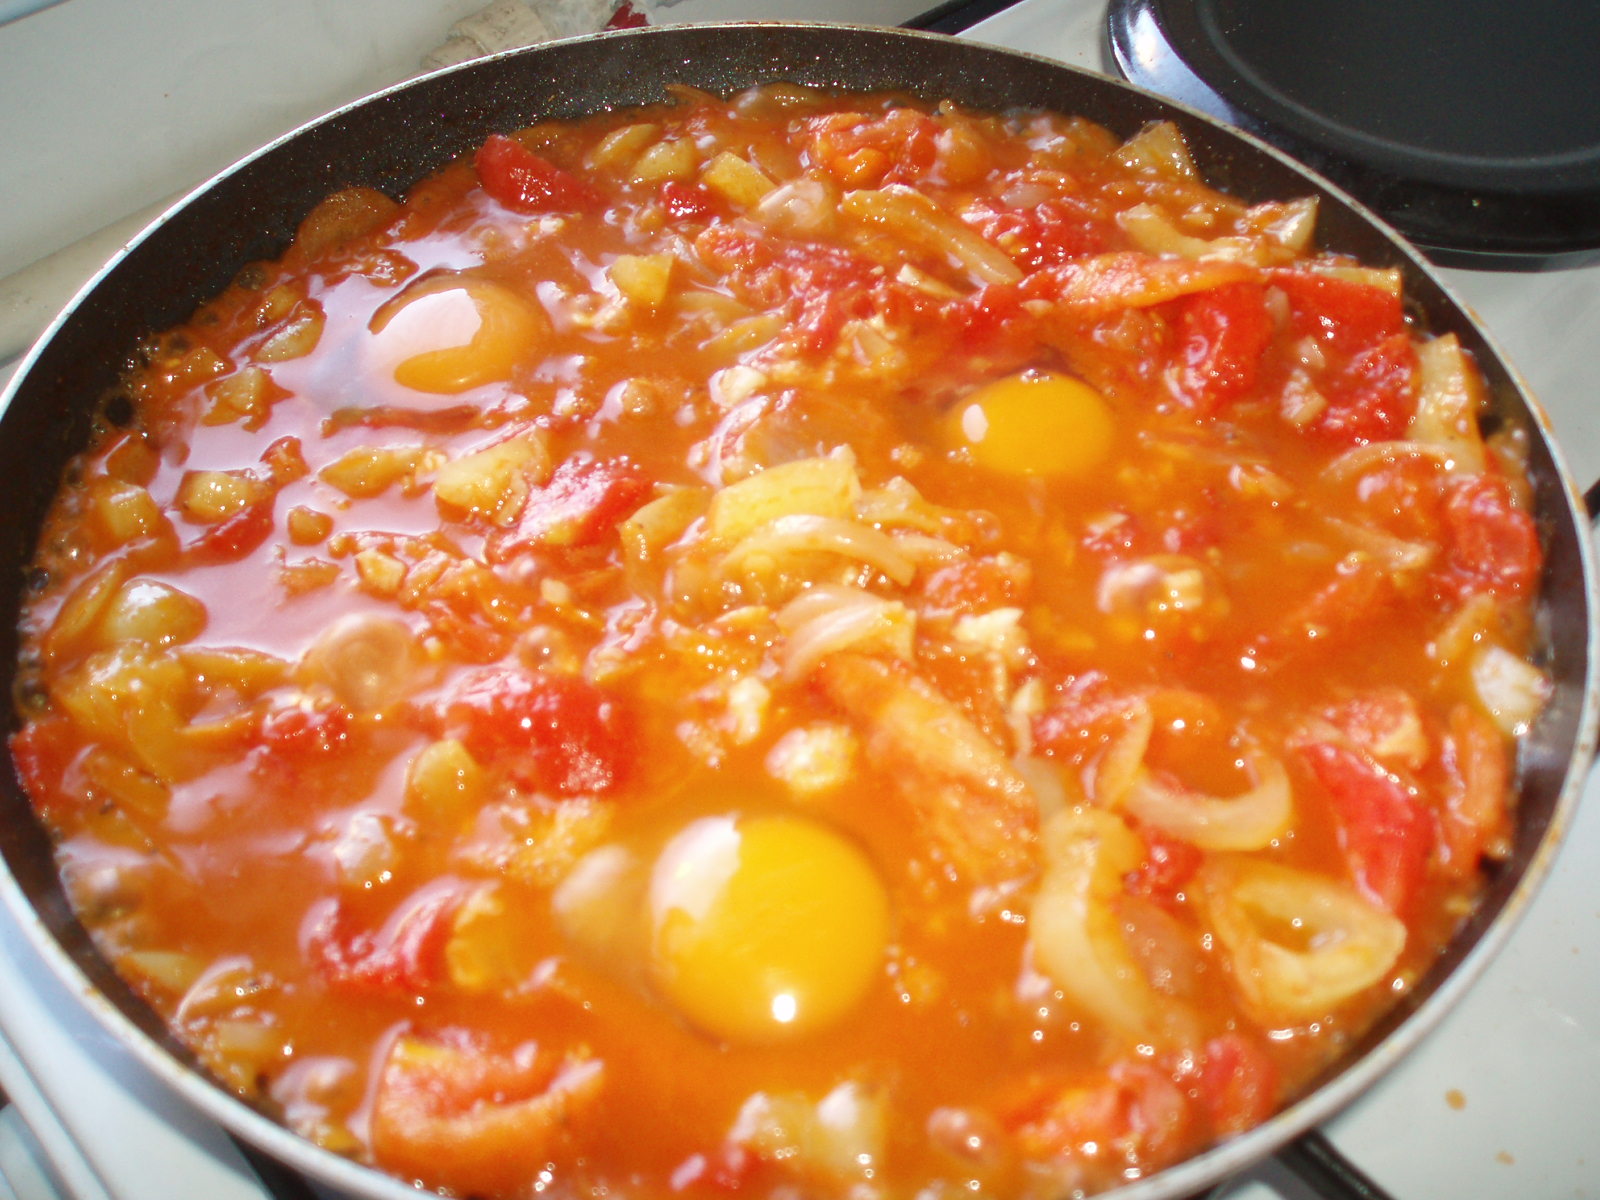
(802, 641)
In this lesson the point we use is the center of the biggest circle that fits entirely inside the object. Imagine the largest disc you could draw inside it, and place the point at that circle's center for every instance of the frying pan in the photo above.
(393, 139)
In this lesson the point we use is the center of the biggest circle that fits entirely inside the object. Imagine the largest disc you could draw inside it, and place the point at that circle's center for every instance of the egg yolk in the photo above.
(447, 333)
(1033, 423)
(766, 928)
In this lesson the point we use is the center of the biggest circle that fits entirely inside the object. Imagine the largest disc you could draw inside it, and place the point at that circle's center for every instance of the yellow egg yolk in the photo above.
(765, 928)
(1033, 423)
(447, 333)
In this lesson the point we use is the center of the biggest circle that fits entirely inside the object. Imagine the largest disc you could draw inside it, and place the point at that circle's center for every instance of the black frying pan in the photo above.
(393, 139)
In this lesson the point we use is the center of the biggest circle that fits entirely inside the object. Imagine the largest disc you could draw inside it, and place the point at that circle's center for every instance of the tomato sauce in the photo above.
(792, 642)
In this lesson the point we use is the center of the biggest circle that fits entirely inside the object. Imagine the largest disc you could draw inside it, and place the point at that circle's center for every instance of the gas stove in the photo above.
(111, 107)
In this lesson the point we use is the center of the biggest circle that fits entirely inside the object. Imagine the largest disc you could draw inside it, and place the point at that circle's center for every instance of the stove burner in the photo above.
(1473, 126)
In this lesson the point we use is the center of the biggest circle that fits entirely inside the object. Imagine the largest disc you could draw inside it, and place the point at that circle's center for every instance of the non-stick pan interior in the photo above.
(392, 140)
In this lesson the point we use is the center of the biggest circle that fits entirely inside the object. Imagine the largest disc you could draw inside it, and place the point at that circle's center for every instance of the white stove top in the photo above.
(111, 106)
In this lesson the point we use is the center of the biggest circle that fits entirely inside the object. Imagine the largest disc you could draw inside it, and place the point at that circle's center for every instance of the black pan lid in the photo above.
(1472, 126)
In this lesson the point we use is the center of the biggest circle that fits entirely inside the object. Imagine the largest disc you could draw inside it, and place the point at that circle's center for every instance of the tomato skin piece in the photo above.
(581, 505)
(1387, 836)
(688, 201)
(1050, 233)
(293, 731)
(1169, 864)
(1491, 545)
(550, 732)
(524, 182)
(1340, 313)
(1372, 398)
(41, 752)
(1134, 1112)
(867, 150)
(976, 585)
(1239, 1083)
(233, 537)
(1223, 334)
(405, 955)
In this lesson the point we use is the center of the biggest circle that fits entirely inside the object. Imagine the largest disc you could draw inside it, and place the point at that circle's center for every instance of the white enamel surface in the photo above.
(109, 106)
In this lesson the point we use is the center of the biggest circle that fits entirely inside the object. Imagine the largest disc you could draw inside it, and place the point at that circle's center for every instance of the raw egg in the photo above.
(1033, 423)
(447, 333)
(765, 928)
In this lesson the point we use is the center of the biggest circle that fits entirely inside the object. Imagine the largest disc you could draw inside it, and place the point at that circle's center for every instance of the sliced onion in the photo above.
(802, 534)
(1077, 936)
(826, 619)
(1249, 821)
(1397, 555)
(1361, 459)
(1512, 689)
(1342, 943)
(1123, 760)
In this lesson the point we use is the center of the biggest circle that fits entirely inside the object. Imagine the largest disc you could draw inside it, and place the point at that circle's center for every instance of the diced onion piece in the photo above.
(656, 524)
(675, 158)
(494, 482)
(1248, 821)
(445, 787)
(213, 496)
(645, 279)
(1076, 934)
(813, 759)
(1301, 944)
(600, 907)
(120, 513)
(369, 661)
(147, 610)
(1386, 279)
(297, 338)
(488, 950)
(1290, 223)
(1449, 399)
(839, 1139)
(78, 619)
(825, 486)
(368, 471)
(1510, 688)
(800, 206)
(247, 394)
(916, 219)
(172, 971)
(342, 217)
(1159, 148)
(1358, 460)
(800, 534)
(619, 148)
(736, 179)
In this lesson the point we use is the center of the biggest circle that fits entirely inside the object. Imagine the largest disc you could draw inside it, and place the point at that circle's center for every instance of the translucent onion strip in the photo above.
(1300, 944)
(1249, 821)
(912, 217)
(1397, 555)
(1077, 936)
(1357, 462)
(803, 534)
(826, 619)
